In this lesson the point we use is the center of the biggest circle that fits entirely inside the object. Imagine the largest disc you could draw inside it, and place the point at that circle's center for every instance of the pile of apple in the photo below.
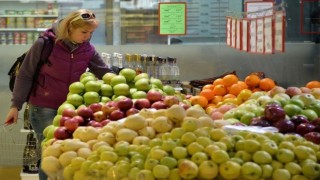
(290, 110)
(93, 102)
(176, 143)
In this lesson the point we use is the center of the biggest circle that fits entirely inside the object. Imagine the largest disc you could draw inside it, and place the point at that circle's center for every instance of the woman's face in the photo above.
(80, 35)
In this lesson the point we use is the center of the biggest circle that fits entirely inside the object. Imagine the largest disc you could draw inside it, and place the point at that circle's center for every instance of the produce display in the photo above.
(131, 126)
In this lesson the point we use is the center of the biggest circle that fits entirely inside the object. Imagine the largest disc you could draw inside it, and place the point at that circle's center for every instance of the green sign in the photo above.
(172, 18)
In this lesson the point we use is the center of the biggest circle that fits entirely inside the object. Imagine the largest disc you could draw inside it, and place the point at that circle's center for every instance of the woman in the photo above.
(72, 55)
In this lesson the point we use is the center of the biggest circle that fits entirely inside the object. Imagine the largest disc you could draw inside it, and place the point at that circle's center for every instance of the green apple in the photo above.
(109, 156)
(169, 161)
(299, 177)
(63, 106)
(220, 156)
(262, 157)
(199, 157)
(230, 170)
(156, 82)
(208, 169)
(267, 171)
(179, 152)
(307, 98)
(217, 133)
(302, 152)
(86, 79)
(133, 172)
(297, 102)
(311, 169)
(55, 122)
(293, 167)
(107, 77)
(239, 145)
(281, 174)
(157, 153)
(245, 156)
(204, 141)
(188, 169)
(106, 90)
(121, 89)
(285, 155)
(247, 117)
(237, 160)
(91, 97)
(76, 87)
(292, 109)
(269, 146)
(315, 106)
(277, 164)
(145, 174)
(251, 170)
(210, 148)
(143, 84)
(169, 90)
(221, 145)
(277, 137)
(251, 145)
(75, 99)
(86, 74)
(310, 114)
(188, 138)
(174, 174)
(117, 80)
(286, 145)
(161, 171)
(105, 99)
(139, 95)
(128, 73)
(94, 86)
(228, 141)
(168, 145)
(189, 124)
(140, 76)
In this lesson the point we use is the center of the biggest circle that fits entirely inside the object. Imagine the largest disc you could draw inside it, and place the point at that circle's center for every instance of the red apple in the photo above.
(132, 111)
(85, 112)
(62, 133)
(99, 116)
(71, 124)
(125, 103)
(298, 119)
(184, 105)
(94, 123)
(109, 107)
(79, 119)
(292, 91)
(142, 103)
(63, 119)
(313, 137)
(159, 105)
(116, 115)
(274, 113)
(285, 126)
(69, 112)
(154, 96)
(105, 122)
(95, 107)
(171, 100)
(305, 128)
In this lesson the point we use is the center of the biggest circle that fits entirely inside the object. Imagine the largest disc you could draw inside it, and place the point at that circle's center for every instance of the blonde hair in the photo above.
(72, 21)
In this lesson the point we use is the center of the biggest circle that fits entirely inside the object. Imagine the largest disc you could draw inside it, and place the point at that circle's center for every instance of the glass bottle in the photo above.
(176, 74)
(106, 59)
(26, 121)
(138, 64)
(129, 61)
(158, 66)
(144, 61)
(163, 71)
(170, 70)
(153, 65)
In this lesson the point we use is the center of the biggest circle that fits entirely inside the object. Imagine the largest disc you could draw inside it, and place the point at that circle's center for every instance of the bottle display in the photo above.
(26, 122)
(138, 65)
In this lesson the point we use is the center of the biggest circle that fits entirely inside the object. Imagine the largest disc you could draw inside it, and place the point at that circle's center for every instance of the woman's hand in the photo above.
(12, 116)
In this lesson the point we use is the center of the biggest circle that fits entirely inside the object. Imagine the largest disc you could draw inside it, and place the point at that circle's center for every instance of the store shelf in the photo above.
(31, 15)
(22, 29)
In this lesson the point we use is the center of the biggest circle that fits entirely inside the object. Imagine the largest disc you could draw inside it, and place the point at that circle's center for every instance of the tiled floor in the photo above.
(10, 173)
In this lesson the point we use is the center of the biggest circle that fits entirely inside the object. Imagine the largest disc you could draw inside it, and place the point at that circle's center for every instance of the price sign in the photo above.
(172, 18)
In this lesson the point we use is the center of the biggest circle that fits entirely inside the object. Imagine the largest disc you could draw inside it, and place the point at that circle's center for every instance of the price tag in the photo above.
(172, 18)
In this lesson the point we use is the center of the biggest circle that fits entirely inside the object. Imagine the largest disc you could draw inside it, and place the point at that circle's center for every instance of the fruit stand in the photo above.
(131, 126)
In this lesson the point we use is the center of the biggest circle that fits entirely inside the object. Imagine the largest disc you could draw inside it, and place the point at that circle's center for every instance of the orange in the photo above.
(218, 81)
(208, 86)
(219, 90)
(252, 80)
(266, 84)
(313, 84)
(230, 79)
(208, 93)
(235, 89)
(200, 100)
(243, 84)
(216, 99)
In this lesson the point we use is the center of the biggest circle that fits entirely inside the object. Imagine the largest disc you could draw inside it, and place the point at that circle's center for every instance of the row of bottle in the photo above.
(165, 69)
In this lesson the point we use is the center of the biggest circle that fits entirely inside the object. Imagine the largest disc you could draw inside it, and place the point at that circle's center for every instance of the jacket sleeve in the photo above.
(97, 66)
(24, 79)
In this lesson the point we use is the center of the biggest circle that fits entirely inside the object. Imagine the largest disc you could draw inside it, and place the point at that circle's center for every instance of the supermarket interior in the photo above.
(208, 47)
